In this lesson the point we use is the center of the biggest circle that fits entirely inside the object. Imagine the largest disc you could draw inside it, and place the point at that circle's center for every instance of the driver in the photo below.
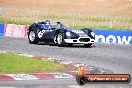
(47, 22)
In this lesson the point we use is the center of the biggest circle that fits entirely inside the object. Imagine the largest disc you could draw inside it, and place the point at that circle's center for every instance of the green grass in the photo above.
(13, 63)
(82, 18)
(99, 27)
(9, 21)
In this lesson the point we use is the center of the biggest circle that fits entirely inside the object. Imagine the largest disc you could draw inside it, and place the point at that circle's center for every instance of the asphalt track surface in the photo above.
(114, 57)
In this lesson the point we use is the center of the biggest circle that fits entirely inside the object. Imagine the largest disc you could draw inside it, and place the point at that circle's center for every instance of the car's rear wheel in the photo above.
(60, 39)
(88, 45)
(32, 37)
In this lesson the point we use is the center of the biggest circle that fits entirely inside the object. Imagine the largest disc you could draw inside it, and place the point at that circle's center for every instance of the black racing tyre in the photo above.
(88, 45)
(60, 39)
(81, 80)
(32, 37)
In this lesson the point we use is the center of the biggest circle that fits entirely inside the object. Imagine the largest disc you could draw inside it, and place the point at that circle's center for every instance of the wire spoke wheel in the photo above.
(32, 36)
(59, 38)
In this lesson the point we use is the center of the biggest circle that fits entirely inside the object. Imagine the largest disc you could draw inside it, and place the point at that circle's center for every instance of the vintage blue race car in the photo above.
(59, 34)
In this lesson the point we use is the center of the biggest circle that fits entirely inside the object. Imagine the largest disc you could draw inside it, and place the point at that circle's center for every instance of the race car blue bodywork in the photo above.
(59, 34)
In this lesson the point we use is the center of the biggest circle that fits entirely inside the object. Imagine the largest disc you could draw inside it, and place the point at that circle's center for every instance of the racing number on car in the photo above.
(40, 34)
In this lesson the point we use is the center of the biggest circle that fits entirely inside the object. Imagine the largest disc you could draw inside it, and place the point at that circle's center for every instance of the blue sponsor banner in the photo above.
(1, 29)
(113, 36)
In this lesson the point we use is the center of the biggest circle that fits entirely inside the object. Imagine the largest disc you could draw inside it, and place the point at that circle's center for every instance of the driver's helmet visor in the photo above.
(47, 22)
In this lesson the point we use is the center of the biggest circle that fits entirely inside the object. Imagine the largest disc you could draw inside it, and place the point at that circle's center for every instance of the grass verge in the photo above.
(8, 21)
(13, 63)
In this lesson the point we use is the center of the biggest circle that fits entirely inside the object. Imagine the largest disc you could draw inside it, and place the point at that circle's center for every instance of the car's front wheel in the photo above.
(32, 37)
(60, 39)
